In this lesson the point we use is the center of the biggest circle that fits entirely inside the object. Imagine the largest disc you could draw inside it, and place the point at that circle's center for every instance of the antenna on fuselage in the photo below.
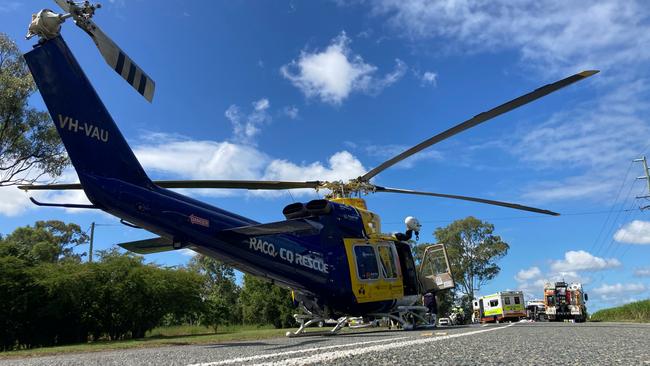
(47, 25)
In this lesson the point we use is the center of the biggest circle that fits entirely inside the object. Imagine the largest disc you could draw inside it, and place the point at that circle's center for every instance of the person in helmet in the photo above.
(412, 226)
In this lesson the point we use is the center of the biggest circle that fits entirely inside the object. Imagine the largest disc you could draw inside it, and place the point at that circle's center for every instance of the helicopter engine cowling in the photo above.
(295, 210)
(319, 207)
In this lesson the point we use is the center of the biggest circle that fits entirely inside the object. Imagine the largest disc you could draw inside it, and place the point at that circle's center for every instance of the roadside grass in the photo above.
(637, 312)
(161, 336)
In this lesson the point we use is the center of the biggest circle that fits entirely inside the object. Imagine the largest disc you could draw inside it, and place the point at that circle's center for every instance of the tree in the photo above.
(29, 144)
(263, 302)
(473, 253)
(220, 291)
(47, 241)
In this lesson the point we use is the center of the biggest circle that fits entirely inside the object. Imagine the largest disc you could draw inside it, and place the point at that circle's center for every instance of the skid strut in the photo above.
(408, 317)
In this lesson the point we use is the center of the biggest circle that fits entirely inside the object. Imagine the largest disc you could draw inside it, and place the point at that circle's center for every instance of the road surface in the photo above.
(497, 344)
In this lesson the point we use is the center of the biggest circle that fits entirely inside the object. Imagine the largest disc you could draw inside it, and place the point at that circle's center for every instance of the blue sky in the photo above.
(301, 90)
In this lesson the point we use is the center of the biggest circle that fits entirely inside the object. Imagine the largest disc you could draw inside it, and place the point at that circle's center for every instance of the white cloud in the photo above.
(636, 232)
(13, 202)
(390, 150)
(555, 39)
(291, 111)
(429, 78)
(187, 252)
(247, 126)
(341, 166)
(548, 34)
(528, 274)
(195, 159)
(202, 159)
(595, 138)
(583, 261)
(606, 290)
(334, 73)
(642, 272)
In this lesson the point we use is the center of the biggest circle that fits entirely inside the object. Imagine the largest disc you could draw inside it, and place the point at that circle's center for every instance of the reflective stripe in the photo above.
(143, 83)
(131, 73)
(120, 63)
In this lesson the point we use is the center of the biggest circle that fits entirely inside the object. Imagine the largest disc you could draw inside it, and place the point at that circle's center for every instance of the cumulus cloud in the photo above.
(14, 202)
(642, 272)
(331, 75)
(341, 166)
(246, 126)
(291, 111)
(606, 290)
(528, 274)
(570, 269)
(636, 232)
(581, 260)
(202, 159)
(428, 78)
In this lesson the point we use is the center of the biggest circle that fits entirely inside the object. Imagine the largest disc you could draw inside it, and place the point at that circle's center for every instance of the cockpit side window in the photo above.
(387, 261)
(366, 262)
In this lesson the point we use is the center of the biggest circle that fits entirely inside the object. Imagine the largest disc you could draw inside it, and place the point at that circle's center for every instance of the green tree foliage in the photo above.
(265, 303)
(473, 252)
(220, 291)
(29, 144)
(55, 301)
(47, 241)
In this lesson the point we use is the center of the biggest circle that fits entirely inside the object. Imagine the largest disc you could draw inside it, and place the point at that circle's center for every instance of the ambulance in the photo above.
(502, 306)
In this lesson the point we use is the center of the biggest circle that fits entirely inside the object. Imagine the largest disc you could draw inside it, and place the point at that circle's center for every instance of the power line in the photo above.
(609, 232)
(620, 189)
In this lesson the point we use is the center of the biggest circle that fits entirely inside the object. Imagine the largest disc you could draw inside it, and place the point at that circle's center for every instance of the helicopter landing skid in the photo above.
(408, 317)
(300, 332)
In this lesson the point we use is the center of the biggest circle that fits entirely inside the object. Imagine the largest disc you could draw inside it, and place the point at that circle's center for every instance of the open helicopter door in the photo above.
(435, 274)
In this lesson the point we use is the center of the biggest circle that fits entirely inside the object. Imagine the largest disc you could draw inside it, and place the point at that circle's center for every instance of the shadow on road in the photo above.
(303, 343)
(236, 344)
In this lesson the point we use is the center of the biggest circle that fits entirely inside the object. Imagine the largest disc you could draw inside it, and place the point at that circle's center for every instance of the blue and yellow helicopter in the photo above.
(331, 252)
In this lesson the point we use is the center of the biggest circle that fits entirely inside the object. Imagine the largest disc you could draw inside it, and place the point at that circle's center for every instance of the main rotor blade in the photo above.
(465, 198)
(236, 184)
(230, 184)
(478, 119)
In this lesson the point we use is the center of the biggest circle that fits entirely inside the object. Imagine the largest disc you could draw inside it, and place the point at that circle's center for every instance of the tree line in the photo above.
(50, 296)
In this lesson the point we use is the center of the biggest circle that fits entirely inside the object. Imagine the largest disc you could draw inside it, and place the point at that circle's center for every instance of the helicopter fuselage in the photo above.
(322, 265)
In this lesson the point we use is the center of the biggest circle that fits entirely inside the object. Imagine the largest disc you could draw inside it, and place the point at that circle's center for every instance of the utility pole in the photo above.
(646, 176)
(92, 238)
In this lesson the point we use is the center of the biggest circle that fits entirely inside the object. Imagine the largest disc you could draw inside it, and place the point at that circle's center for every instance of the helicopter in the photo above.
(330, 252)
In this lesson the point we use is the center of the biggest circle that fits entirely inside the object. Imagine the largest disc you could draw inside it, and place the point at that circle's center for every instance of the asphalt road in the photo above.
(520, 343)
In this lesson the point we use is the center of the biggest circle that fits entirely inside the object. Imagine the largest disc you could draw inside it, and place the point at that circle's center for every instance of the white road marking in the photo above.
(330, 356)
(271, 355)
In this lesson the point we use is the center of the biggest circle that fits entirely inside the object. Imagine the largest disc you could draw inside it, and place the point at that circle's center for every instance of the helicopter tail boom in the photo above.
(92, 139)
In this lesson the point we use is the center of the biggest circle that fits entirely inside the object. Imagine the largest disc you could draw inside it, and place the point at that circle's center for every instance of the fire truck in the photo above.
(565, 302)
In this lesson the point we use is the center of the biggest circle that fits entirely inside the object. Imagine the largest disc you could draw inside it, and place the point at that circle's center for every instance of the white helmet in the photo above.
(412, 223)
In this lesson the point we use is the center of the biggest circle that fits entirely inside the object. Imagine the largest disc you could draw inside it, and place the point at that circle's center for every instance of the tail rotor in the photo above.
(47, 24)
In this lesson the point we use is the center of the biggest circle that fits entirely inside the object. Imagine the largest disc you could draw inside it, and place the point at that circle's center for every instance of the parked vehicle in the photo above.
(565, 302)
(502, 306)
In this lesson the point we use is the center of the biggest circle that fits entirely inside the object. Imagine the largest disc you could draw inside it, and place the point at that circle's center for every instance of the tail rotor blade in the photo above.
(119, 61)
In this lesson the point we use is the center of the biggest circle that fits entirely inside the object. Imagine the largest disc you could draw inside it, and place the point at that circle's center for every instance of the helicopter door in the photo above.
(435, 274)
